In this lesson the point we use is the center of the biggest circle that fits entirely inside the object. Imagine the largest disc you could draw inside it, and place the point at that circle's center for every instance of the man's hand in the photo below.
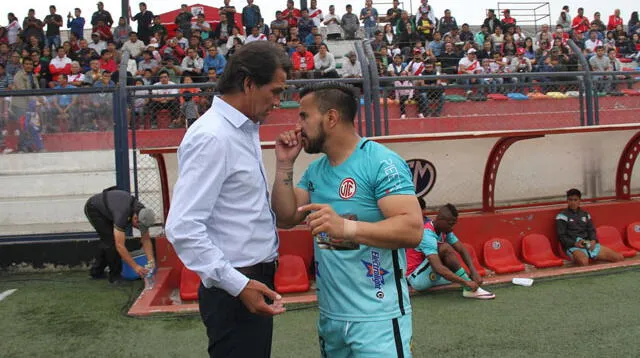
(324, 219)
(579, 244)
(141, 271)
(252, 296)
(476, 278)
(288, 145)
(593, 245)
(472, 285)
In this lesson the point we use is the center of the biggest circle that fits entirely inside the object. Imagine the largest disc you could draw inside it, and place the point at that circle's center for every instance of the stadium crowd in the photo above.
(33, 54)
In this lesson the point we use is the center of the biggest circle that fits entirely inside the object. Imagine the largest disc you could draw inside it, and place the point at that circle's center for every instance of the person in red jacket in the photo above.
(291, 14)
(60, 64)
(302, 61)
(580, 23)
(614, 20)
(107, 62)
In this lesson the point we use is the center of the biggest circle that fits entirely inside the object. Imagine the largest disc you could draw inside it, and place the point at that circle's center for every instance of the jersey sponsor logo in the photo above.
(424, 175)
(391, 170)
(376, 273)
(347, 188)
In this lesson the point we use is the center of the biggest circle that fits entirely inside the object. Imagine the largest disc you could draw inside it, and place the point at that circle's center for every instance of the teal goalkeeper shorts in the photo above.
(590, 254)
(424, 277)
(374, 339)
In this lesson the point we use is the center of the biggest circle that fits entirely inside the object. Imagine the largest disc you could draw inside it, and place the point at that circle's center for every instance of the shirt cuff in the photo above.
(233, 281)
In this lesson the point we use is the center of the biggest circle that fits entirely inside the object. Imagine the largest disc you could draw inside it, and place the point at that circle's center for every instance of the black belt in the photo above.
(264, 268)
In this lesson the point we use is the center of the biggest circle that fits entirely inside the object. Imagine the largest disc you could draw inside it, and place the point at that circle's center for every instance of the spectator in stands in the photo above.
(170, 103)
(53, 22)
(304, 24)
(94, 74)
(97, 44)
(255, 36)
(4, 53)
(315, 14)
(580, 23)
(201, 25)
(447, 22)
(351, 66)
(6, 81)
(76, 77)
(188, 104)
(250, 16)
(434, 262)
(214, 60)
(350, 24)
(601, 63)
(616, 65)
(192, 65)
(565, 18)
(428, 9)
(101, 14)
(144, 19)
(172, 48)
(597, 23)
(388, 37)
(592, 43)
(482, 36)
(325, 63)
(634, 24)
(122, 33)
(369, 17)
(302, 63)
(25, 79)
(280, 23)
(425, 27)
(107, 62)
(76, 24)
(32, 26)
(492, 22)
(14, 65)
(431, 98)
(13, 29)
(230, 11)
(291, 14)
(403, 94)
(507, 21)
(183, 20)
(396, 67)
(394, 14)
(59, 65)
(614, 20)
(317, 42)
(223, 31)
(486, 51)
(64, 106)
(497, 38)
(171, 67)
(577, 234)
(450, 59)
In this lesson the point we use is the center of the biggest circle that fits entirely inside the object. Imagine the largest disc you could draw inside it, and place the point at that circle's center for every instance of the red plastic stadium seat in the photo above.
(609, 236)
(497, 97)
(298, 243)
(500, 256)
(562, 252)
(631, 92)
(474, 258)
(537, 251)
(625, 60)
(633, 235)
(291, 275)
(189, 283)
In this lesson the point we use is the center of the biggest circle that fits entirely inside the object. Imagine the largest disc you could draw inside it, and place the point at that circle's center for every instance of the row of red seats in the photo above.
(499, 255)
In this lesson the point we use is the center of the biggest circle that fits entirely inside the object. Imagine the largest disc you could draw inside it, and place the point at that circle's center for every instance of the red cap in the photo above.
(521, 51)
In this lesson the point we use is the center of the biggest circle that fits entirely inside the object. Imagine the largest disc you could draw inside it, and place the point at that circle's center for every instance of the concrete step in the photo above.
(31, 229)
(58, 184)
(61, 162)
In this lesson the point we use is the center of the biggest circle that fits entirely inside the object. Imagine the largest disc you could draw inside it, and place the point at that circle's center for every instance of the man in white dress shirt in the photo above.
(220, 222)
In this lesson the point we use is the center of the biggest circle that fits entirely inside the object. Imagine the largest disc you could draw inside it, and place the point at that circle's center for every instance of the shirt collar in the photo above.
(231, 114)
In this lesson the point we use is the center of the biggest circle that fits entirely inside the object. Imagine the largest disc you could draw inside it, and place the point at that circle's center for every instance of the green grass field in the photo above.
(68, 315)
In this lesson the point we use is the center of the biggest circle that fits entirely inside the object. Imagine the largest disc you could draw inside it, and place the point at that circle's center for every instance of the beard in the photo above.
(315, 145)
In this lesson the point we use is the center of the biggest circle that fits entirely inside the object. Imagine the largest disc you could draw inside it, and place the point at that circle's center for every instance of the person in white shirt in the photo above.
(170, 102)
(332, 22)
(192, 66)
(220, 222)
(315, 14)
(96, 44)
(76, 78)
(351, 66)
(325, 63)
(591, 44)
(133, 45)
(255, 36)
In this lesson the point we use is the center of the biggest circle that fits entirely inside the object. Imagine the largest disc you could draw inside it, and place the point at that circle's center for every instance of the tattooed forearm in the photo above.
(288, 179)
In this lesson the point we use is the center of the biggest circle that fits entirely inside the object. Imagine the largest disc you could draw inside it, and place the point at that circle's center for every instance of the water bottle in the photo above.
(438, 68)
(149, 278)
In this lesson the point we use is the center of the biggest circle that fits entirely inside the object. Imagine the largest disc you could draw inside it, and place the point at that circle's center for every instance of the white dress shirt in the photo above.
(220, 216)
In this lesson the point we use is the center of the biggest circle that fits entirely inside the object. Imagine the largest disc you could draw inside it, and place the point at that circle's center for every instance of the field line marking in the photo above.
(7, 293)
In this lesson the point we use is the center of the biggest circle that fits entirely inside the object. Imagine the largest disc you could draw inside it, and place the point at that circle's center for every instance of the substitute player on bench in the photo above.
(363, 213)
(434, 261)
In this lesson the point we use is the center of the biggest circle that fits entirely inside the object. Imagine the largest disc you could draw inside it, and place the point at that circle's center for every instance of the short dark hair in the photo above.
(258, 61)
(27, 59)
(334, 95)
(422, 203)
(574, 192)
(451, 208)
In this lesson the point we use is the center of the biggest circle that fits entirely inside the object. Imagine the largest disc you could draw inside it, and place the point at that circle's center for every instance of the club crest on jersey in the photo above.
(376, 273)
(347, 188)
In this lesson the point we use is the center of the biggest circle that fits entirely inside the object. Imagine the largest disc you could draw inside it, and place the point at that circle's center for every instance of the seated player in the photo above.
(434, 261)
(578, 236)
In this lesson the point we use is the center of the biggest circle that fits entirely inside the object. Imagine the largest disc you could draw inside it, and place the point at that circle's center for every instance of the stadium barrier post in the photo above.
(366, 87)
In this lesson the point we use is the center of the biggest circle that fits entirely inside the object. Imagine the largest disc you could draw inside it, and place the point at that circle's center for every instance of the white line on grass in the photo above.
(7, 293)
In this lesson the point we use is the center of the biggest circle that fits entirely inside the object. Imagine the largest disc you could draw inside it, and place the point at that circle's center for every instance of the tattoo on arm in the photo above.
(288, 180)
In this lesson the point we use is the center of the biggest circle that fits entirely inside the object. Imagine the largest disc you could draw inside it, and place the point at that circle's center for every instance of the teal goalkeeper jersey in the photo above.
(357, 282)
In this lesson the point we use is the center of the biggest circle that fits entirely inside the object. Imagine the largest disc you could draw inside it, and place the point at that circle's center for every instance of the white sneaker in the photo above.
(420, 115)
(480, 294)
(403, 116)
